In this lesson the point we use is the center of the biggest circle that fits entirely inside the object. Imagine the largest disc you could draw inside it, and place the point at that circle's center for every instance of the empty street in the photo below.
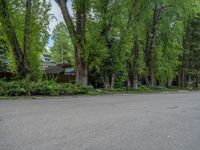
(168, 121)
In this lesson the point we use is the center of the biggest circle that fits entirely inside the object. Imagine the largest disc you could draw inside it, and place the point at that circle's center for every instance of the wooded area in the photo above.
(111, 43)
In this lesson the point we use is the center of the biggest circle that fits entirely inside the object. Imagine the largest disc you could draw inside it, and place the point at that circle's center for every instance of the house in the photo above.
(61, 72)
(47, 61)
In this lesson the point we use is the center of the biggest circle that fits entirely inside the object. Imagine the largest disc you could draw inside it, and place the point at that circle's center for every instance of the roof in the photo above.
(65, 65)
(54, 70)
(45, 58)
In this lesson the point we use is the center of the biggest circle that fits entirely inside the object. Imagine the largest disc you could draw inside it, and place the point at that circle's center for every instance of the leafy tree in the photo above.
(189, 72)
(62, 50)
(28, 44)
(3, 52)
(77, 33)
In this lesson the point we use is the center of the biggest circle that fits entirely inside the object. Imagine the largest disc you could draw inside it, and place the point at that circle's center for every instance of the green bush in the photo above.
(45, 88)
(72, 89)
(26, 87)
(14, 88)
(143, 88)
(119, 90)
(198, 86)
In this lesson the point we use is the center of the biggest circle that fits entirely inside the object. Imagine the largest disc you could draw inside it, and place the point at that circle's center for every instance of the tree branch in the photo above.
(67, 18)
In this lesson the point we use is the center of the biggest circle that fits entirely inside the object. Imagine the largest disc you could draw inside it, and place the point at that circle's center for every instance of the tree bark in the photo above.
(106, 81)
(112, 80)
(150, 45)
(130, 76)
(81, 68)
(135, 64)
(27, 32)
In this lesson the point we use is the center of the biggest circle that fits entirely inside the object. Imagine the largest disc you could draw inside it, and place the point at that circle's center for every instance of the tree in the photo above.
(20, 56)
(77, 33)
(26, 45)
(3, 51)
(62, 50)
(189, 74)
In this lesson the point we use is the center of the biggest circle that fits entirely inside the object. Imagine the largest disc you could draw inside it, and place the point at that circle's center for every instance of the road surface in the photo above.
(118, 122)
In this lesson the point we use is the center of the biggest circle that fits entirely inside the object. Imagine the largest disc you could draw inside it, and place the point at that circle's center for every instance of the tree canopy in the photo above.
(110, 42)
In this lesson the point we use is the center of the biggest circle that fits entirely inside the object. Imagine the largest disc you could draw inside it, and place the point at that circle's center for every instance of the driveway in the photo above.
(118, 122)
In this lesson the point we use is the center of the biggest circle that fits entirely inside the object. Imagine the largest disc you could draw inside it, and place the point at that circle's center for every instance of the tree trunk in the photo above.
(112, 79)
(169, 83)
(109, 81)
(27, 37)
(147, 81)
(152, 76)
(182, 79)
(135, 64)
(81, 68)
(106, 81)
(130, 76)
(150, 45)
(135, 81)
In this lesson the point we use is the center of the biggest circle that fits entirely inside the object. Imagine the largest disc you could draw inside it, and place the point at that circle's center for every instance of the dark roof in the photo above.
(54, 70)
(48, 63)
(65, 65)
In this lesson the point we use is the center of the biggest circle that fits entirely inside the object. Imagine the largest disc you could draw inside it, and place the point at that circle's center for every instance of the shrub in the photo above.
(143, 88)
(46, 88)
(119, 90)
(72, 89)
(190, 86)
(26, 87)
(14, 88)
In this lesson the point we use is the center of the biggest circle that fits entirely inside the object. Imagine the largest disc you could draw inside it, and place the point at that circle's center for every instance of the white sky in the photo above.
(57, 12)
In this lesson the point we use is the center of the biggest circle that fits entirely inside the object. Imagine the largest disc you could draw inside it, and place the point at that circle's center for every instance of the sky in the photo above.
(55, 10)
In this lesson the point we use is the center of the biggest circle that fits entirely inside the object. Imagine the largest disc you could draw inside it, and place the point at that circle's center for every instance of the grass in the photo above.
(16, 97)
(96, 92)
(131, 91)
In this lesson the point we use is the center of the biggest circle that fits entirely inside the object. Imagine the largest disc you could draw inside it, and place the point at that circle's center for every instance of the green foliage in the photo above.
(144, 88)
(62, 50)
(72, 89)
(116, 38)
(3, 52)
(13, 88)
(45, 88)
(39, 25)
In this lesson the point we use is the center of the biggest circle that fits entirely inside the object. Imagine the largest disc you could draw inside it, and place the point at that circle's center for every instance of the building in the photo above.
(62, 73)
(47, 61)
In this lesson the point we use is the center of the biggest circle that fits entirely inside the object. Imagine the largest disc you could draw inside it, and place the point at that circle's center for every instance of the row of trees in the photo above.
(128, 40)
(110, 42)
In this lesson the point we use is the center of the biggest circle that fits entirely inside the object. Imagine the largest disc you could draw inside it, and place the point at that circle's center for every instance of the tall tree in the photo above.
(190, 60)
(11, 34)
(77, 33)
(62, 50)
(28, 44)
(4, 48)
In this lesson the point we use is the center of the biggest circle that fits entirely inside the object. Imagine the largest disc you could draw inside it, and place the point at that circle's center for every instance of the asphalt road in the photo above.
(123, 122)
